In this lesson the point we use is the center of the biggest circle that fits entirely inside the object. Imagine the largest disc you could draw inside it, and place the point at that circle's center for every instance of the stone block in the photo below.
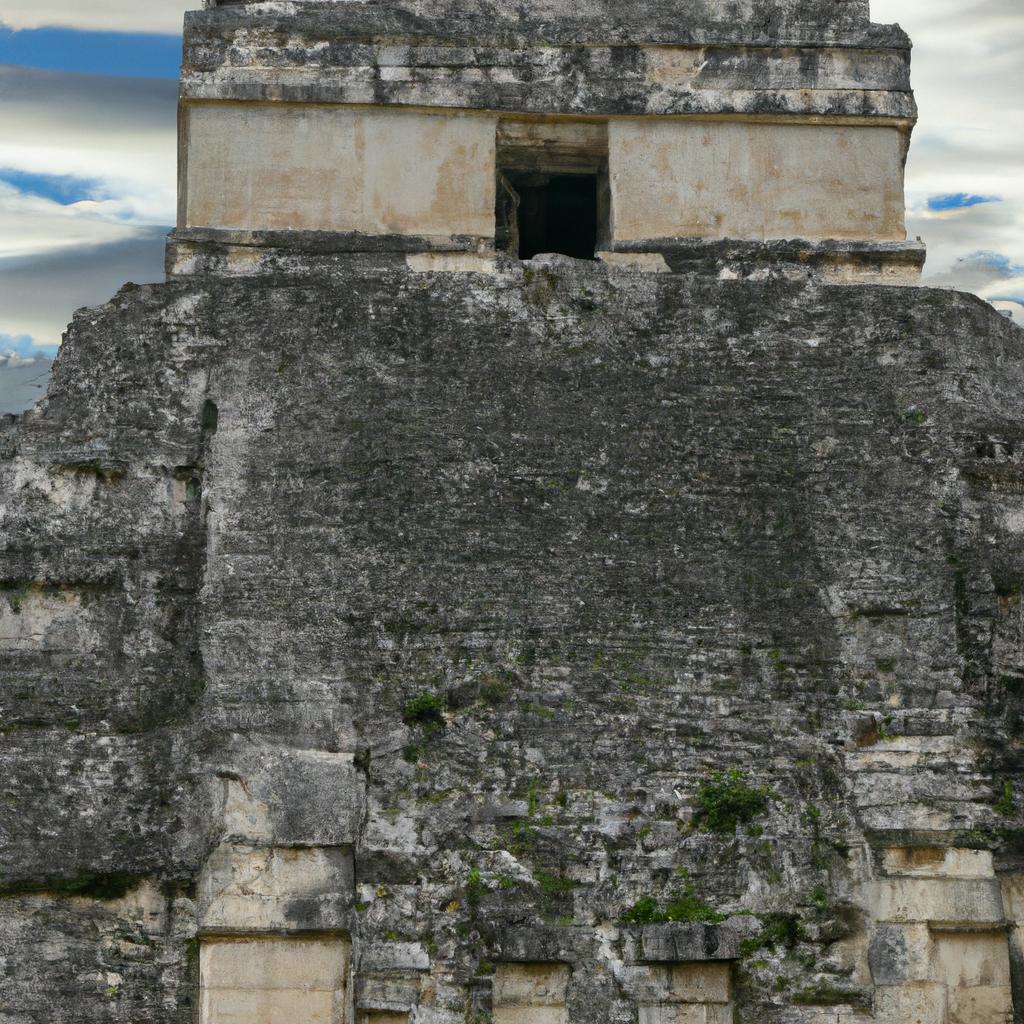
(543, 944)
(922, 1002)
(393, 956)
(293, 797)
(700, 983)
(680, 943)
(530, 1015)
(246, 889)
(657, 168)
(530, 994)
(274, 980)
(530, 984)
(980, 1004)
(1013, 897)
(297, 167)
(953, 901)
(938, 862)
(391, 993)
(971, 959)
(375, 1017)
(685, 1013)
(899, 953)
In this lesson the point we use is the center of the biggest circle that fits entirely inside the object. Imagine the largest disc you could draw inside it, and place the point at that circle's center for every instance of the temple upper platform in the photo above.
(582, 128)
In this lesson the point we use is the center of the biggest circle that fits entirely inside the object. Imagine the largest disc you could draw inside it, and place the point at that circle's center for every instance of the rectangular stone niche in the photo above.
(530, 994)
(975, 967)
(275, 980)
(695, 993)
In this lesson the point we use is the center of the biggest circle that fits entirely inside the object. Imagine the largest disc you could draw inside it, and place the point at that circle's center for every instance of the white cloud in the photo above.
(968, 75)
(38, 294)
(107, 15)
(30, 225)
(118, 132)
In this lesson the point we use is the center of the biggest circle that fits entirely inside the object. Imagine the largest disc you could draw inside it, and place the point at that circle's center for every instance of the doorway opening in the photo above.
(555, 213)
(552, 194)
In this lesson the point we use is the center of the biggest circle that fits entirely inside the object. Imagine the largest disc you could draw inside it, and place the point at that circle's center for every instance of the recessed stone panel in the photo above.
(530, 994)
(274, 980)
(690, 993)
(938, 862)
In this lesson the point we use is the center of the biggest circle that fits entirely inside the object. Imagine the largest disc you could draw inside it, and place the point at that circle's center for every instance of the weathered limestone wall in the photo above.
(681, 179)
(655, 638)
(311, 168)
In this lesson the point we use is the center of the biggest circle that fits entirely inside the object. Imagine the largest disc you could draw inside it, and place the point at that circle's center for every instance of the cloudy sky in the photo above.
(87, 157)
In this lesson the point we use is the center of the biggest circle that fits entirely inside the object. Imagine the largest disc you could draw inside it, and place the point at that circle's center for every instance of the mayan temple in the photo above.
(540, 558)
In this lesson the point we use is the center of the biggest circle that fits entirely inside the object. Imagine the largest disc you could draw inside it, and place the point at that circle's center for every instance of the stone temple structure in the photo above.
(537, 560)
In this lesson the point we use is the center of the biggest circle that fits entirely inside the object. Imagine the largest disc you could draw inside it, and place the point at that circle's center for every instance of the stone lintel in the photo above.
(544, 944)
(681, 943)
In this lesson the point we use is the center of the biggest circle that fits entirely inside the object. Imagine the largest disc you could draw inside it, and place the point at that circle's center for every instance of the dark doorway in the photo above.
(555, 213)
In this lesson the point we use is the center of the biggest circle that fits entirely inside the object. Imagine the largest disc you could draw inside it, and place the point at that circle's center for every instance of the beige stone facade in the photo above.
(303, 167)
(298, 167)
(680, 178)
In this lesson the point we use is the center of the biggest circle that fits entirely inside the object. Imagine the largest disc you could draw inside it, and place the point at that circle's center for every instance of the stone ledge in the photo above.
(325, 241)
(681, 943)
(223, 253)
(837, 261)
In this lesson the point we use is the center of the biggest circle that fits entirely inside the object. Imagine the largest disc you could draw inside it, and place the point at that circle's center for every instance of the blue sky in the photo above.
(87, 157)
(124, 54)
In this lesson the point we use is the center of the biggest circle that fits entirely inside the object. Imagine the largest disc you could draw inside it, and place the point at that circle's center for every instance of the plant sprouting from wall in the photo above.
(726, 800)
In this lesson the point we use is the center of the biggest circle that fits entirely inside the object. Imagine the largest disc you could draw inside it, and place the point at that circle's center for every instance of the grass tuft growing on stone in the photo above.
(682, 907)
(425, 711)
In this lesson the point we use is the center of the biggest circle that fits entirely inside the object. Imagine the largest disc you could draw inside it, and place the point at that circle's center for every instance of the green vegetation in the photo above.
(412, 752)
(685, 907)
(777, 931)
(553, 885)
(824, 994)
(495, 689)
(727, 800)
(532, 799)
(475, 889)
(1005, 804)
(16, 593)
(539, 710)
(425, 711)
(819, 899)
